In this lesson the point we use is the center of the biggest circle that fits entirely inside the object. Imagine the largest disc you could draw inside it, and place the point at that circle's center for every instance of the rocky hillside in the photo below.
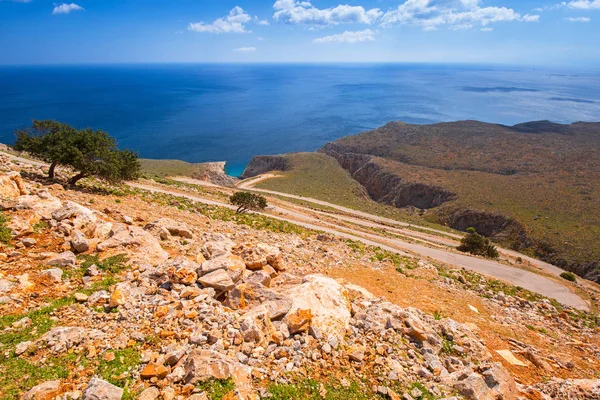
(110, 293)
(533, 186)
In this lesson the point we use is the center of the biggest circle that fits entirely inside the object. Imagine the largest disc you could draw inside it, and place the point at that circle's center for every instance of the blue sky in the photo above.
(533, 32)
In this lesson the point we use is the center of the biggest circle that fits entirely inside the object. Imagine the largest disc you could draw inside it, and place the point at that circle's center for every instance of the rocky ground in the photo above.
(107, 293)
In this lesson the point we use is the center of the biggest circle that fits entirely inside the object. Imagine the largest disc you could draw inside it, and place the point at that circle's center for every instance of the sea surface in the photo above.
(214, 112)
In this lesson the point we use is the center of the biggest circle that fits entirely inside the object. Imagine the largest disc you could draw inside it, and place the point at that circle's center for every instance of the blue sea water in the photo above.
(212, 112)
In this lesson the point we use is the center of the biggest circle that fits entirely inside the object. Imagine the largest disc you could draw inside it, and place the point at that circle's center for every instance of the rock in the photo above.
(61, 339)
(22, 347)
(99, 389)
(79, 243)
(202, 365)
(234, 265)
(557, 388)
(175, 228)
(183, 271)
(52, 275)
(128, 220)
(150, 393)
(152, 370)
(298, 320)
(259, 278)
(357, 354)
(327, 302)
(219, 280)
(117, 298)
(256, 327)
(29, 242)
(80, 297)
(217, 246)
(5, 286)
(146, 248)
(64, 259)
(42, 207)
(43, 391)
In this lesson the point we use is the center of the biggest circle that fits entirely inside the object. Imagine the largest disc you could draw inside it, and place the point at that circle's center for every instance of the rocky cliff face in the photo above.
(262, 164)
(215, 172)
(385, 187)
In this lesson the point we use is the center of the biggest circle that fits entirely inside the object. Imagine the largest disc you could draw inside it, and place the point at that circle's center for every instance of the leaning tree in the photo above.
(89, 152)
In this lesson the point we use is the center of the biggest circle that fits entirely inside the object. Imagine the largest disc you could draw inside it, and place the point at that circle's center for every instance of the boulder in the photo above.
(234, 265)
(174, 228)
(217, 246)
(42, 207)
(99, 389)
(202, 365)
(11, 186)
(43, 391)
(327, 302)
(61, 339)
(256, 327)
(52, 275)
(150, 393)
(79, 243)
(147, 249)
(183, 271)
(218, 280)
(154, 370)
(64, 259)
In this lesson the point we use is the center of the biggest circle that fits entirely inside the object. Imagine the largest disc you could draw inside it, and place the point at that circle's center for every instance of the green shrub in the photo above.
(248, 201)
(478, 245)
(569, 276)
(5, 236)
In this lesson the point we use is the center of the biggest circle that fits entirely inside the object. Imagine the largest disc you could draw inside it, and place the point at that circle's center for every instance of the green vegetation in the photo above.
(545, 176)
(217, 389)
(17, 374)
(569, 276)
(248, 201)
(114, 264)
(117, 370)
(310, 389)
(5, 236)
(40, 323)
(478, 245)
(89, 152)
(320, 177)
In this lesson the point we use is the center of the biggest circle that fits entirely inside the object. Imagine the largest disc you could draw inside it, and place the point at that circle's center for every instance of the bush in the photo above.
(569, 276)
(248, 201)
(90, 152)
(5, 236)
(478, 245)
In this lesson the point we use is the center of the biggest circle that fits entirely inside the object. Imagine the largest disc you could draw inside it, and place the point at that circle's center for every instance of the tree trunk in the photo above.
(76, 178)
(51, 170)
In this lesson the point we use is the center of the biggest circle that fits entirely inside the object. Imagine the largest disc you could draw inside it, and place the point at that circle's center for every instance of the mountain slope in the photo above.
(533, 186)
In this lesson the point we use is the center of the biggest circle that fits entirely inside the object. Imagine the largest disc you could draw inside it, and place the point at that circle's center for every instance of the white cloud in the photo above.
(462, 15)
(585, 4)
(65, 8)
(349, 37)
(261, 22)
(578, 19)
(303, 12)
(486, 29)
(245, 50)
(234, 22)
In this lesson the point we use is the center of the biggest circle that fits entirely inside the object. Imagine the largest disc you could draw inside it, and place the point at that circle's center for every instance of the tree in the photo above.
(476, 244)
(248, 201)
(48, 140)
(89, 152)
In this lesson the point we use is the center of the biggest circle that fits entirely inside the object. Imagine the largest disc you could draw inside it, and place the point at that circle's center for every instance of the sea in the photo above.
(232, 112)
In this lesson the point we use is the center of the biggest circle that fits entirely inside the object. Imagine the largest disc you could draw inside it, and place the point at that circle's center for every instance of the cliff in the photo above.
(384, 186)
(262, 164)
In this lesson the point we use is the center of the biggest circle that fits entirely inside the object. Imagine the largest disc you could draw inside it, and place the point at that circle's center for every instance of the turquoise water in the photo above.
(233, 112)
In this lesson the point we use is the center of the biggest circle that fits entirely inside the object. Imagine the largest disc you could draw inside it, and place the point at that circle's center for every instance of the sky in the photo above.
(518, 32)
